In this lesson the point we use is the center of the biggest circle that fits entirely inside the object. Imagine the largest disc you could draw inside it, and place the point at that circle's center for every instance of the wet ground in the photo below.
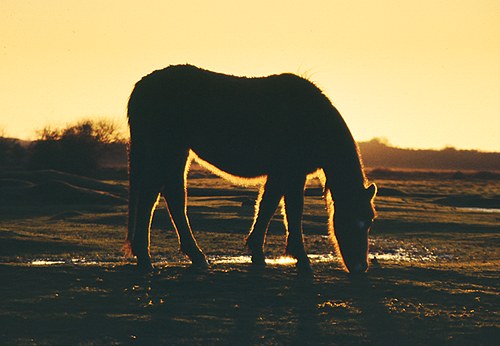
(433, 279)
(233, 303)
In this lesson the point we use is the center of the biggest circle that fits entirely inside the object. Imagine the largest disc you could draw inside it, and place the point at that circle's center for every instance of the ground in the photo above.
(433, 279)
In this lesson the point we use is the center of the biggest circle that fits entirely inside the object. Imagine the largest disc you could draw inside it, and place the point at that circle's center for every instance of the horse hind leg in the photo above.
(174, 192)
(265, 207)
(144, 193)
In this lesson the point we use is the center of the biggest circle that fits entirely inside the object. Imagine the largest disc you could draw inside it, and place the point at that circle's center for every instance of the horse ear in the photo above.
(371, 190)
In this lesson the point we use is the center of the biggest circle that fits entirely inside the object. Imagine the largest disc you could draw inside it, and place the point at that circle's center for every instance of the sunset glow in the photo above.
(421, 74)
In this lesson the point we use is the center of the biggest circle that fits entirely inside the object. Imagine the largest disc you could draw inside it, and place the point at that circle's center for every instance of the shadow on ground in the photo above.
(240, 305)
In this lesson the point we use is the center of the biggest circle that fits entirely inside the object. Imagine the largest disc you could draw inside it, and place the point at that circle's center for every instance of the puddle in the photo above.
(481, 210)
(79, 261)
(412, 254)
(408, 255)
(230, 260)
(398, 255)
(283, 261)
(46, 262)
(244, 259)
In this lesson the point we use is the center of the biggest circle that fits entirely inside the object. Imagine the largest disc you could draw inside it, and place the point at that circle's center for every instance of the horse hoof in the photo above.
(200, 263)
(145, 265)
(258, 260)
(304, 267)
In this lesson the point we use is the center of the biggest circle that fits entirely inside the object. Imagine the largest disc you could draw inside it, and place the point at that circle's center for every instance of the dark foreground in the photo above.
(434, 277)
(234, 304)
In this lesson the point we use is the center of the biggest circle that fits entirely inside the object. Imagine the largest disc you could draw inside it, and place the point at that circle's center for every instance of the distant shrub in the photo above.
(101, 131)
(12, 153)
(76, 148)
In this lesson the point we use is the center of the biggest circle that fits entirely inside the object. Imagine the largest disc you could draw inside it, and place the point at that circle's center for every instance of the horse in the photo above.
(280, 128)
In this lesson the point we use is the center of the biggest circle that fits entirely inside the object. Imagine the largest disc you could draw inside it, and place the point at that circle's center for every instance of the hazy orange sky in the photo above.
(423, 74)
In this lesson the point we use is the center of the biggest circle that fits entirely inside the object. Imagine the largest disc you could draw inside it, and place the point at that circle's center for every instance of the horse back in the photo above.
(244, 126)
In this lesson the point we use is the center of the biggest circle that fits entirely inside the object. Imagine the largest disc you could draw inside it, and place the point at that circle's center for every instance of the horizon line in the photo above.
(381, 140)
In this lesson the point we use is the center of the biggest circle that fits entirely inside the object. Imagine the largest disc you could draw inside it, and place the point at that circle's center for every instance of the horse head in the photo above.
(353, 217)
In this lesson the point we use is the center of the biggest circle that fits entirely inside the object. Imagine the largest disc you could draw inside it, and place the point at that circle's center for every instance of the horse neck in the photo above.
(344, 170)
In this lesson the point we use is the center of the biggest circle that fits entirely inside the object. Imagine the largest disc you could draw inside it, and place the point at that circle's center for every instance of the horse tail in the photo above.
(134, 164)
(132, 200)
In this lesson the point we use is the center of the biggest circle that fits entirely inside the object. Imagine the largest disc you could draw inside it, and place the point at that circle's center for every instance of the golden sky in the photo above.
(423, 74)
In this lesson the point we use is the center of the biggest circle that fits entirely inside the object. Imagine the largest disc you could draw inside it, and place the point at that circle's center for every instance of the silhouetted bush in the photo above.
(76, 149)
(12, 153)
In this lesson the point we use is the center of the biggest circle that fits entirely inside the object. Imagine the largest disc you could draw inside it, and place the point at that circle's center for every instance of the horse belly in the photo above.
(253, 156)
(243, 161)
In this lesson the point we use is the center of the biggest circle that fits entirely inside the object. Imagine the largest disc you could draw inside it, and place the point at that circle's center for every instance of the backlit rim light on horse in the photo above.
(280, 127)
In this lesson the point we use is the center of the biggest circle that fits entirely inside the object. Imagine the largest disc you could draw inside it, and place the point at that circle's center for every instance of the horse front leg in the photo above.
(174, 191)
(265, 207)
(294, 207)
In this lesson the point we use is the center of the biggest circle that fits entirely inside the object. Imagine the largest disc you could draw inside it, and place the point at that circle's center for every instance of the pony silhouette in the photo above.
(280, 127)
